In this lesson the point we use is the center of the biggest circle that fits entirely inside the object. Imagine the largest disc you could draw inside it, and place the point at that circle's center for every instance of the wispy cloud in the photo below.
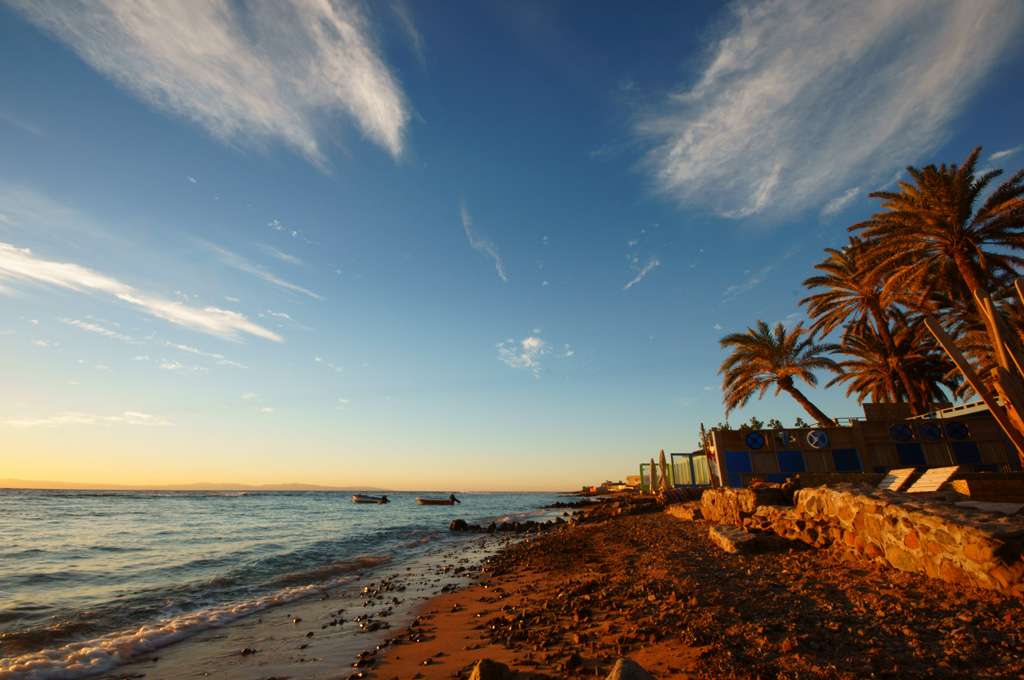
(91, 327)
(482, 245)
(642, 273)
(245, 72)
(756, 278)
(220, 359)
(1005, 153)
(80, 418)
(836, 205)
(816, 96)
(21, 124)
(21, 265)
(280, 254)
(404, 15)
(526, 353)
(236, 261)
(324, 362)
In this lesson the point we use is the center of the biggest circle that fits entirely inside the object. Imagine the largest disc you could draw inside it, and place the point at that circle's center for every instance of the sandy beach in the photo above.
(568, 603)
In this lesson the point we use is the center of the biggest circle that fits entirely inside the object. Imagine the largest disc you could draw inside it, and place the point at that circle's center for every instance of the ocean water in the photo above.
(88, 577)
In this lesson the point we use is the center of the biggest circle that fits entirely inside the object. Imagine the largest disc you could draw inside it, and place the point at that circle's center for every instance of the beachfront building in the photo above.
(886, 437)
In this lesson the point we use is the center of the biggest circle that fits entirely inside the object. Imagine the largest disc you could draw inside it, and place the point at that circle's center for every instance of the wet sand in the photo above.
(319, 637)
(566, 604)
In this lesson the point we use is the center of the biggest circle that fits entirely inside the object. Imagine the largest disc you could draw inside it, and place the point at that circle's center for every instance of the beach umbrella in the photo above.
(654, 477)
(663, 470)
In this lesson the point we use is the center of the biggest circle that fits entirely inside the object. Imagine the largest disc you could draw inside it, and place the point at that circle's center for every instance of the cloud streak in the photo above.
(482, 245)
(79, 418)
(21, 265)
(1005, 153)
(245, 72)
(816, 96)
(837, 204)
(525, 353)
(651, 265)
(236, 261)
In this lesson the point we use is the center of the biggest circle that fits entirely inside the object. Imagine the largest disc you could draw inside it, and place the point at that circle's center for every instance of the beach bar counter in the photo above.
(886, 438)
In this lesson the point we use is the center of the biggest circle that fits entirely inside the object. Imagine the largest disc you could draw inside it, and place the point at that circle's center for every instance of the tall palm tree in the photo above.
(869, 371)
(929, 235)
(852, 293)
(764, 357)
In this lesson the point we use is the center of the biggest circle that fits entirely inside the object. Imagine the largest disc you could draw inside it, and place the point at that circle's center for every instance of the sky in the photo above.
(430, 245)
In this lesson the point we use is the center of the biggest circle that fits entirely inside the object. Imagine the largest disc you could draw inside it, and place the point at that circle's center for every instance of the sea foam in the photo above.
(99, 655)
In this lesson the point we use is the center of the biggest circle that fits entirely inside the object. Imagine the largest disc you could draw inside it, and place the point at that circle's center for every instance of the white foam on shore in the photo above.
(91, 657)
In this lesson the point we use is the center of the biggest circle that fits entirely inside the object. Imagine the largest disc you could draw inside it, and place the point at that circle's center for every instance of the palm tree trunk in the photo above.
(811, 409)
(917, 404)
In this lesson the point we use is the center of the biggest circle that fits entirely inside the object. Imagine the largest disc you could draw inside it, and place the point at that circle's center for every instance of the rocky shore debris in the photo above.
(627, 669)
(731, 539)
(514, 527)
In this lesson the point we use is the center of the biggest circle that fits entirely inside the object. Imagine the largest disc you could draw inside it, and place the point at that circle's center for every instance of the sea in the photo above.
(89, 577)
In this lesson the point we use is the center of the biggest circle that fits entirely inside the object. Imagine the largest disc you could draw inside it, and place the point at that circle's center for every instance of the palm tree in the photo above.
(764, 357)
(853, 294)
(929, 235)
(869, 369)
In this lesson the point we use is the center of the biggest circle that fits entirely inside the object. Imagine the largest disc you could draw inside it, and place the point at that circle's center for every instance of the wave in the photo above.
(99, 655)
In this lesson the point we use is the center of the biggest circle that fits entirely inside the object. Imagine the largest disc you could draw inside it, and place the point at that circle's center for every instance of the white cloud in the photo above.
(267, 409)
(45, 343)
(192, 180)
(836, 205)
(246, 73)
(482, 245)
(79, 418)
(236, 261)
(756, 278)
(717, 326)
(1005, 153)
(525, 353)
(249, 396)
(19, 264)
(279, 315)
(404, 15)
(91, 327)
(814, 96)
(651, 265)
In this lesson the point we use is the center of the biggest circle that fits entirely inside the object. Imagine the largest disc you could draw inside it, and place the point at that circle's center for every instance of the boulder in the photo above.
(458, 525)
(730, 538)
(627, 669)
(486, 669)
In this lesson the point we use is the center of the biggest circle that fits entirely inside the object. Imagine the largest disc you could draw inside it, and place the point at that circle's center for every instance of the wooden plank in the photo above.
(895, 480)
(933, 480)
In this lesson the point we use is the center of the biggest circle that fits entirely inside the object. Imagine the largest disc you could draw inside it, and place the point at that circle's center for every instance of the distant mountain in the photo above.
(200, 486)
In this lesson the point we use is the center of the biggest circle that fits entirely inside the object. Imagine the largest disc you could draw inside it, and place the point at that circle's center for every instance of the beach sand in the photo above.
(566, 604)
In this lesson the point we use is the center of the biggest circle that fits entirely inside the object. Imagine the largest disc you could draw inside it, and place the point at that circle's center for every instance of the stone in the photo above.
(627, 669)
(487, 669)
(458, 525)
(911, 540)
(685, 511)
(730, 539)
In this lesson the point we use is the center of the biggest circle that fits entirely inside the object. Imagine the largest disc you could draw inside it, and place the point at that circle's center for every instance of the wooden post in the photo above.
(998, 412)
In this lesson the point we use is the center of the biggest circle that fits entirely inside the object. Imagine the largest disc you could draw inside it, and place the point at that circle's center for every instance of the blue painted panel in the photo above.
(736, 463)
(910, 455)
(791, 462)
(846, 460)
(967, 453)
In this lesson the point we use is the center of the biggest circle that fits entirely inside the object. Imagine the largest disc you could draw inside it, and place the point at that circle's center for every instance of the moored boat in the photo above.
(379, 500)
(451, 500)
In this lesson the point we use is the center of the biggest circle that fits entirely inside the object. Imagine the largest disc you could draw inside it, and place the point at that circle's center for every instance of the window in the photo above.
(736, 464)
(966, 453)
(846, 460)
(910, 455)
(791, 462)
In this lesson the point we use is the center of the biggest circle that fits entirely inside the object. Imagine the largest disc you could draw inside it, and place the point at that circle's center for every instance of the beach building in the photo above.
(886, 437)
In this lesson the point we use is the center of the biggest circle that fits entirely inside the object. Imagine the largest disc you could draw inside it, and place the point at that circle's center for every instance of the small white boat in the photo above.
(378, 500)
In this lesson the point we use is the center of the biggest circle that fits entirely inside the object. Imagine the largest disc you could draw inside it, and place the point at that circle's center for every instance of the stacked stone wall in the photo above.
(929, 535)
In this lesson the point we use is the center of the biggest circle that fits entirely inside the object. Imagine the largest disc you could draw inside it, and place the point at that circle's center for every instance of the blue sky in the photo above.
(439, 245)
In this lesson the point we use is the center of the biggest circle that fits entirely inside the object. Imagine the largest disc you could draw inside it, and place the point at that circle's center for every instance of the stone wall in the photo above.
(730, 506)
(916, 533)
(925, 534)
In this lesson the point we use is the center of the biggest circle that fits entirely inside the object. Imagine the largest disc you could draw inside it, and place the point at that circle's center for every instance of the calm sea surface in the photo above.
(80, 565)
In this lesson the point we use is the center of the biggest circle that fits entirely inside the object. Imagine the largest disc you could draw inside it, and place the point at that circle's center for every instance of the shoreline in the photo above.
(568, 603)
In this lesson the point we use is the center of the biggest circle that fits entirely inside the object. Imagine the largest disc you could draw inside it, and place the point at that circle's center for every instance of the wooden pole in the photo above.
(998, 412)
